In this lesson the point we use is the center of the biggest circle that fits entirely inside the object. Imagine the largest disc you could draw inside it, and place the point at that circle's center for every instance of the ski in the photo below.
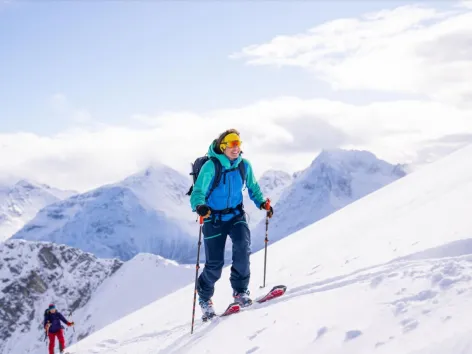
(231, 309)
(276, 291)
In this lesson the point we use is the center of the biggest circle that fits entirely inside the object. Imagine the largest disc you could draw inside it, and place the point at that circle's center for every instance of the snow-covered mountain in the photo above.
(20, 201)
(272, 183)
(389, 273)
(147, 212)
(34, 274)
(334, 179)
(97, 291)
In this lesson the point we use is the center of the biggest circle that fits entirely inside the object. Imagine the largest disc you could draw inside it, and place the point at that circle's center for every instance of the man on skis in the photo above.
(223, 215)
(52, 326)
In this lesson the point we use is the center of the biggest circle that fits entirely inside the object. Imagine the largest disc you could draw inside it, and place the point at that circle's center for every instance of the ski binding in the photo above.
(231, 309)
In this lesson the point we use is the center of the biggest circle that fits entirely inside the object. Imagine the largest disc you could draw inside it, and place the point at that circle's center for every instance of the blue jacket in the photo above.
(229, 192)
(55, 319)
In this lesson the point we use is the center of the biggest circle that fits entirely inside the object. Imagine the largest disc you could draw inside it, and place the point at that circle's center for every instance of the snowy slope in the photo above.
(147, 212)
(272, 183)
(335, 179)
(20, 201)
(139, 282)
(98, 291)
(459, 342)
(388, 273)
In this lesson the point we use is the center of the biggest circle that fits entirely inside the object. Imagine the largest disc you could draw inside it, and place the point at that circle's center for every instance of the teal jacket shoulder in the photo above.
(254, 190)
(229, 191)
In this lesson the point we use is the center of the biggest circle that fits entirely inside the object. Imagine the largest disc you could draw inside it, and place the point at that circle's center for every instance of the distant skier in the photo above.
(224, 215)
(52, 326)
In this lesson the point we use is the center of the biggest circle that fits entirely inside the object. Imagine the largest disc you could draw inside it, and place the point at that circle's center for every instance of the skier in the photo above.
(224, 215)
(53, 328)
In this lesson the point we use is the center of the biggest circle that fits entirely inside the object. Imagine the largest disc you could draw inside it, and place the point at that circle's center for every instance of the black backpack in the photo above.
(200, 161)
(46, 314)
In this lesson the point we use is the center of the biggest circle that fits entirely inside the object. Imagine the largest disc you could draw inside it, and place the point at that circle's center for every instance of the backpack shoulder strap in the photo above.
(46, 315)
(242, 171)
(217, 178)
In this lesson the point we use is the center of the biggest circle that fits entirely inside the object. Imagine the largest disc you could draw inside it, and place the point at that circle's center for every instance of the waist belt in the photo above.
(228, 210)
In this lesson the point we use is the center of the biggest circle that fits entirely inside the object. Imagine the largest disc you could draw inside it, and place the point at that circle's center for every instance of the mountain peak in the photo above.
(338, 154)
(146, 212)
(156, 172)
(26, 184)
(334, 179)
(20, 200)
(156, 167)
(355, 160)
(273, 182)
(275, 178)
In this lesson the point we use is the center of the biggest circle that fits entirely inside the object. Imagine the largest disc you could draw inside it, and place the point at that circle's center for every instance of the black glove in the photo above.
(270, 212)
(203, 210)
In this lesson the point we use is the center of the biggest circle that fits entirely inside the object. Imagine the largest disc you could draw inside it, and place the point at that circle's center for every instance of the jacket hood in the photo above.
(225, 162)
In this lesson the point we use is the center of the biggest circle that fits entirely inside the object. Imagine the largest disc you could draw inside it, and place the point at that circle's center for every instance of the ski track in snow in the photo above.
(443, 274)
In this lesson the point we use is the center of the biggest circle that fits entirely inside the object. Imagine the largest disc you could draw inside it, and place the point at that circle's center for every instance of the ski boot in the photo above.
(207, 309)
(242, 298)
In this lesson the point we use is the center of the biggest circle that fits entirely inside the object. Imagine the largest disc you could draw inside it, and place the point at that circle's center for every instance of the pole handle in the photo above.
(266, 240)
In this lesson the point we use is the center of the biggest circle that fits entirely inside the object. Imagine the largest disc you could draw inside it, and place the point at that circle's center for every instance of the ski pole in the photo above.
(70, 316)
(267, 206)
(196, 272)
(73, 327)
(46, 334)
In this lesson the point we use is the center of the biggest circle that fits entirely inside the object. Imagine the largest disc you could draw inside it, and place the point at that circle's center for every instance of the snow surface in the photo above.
(334, 179)
(21, 200)
(389, 273)
(97, 291)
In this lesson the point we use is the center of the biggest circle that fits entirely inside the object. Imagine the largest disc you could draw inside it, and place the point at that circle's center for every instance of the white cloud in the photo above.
(410, 49)
(466, 4)
(285, 132)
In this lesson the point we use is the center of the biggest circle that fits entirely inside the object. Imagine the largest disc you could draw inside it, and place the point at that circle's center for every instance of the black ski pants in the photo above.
(215, 233)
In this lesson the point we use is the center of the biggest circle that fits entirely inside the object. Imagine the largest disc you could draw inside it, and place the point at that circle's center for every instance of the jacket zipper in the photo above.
(229, 192)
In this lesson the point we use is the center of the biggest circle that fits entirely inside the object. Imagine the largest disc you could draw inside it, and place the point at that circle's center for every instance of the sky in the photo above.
(91, 92)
